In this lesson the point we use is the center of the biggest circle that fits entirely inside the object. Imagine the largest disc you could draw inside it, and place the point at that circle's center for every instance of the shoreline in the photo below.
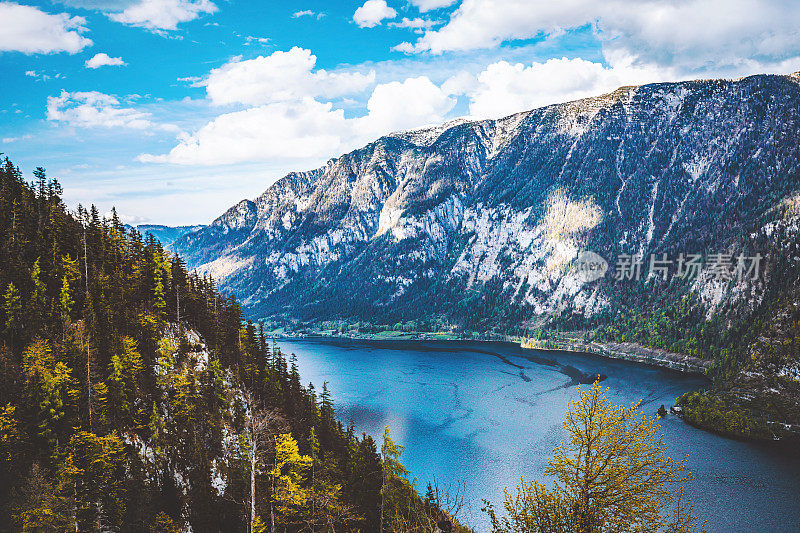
(631, 352)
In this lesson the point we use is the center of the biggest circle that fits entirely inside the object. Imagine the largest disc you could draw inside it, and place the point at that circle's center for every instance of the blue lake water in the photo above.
(484, 414)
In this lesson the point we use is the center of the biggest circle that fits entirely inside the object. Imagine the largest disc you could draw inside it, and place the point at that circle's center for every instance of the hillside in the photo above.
(134, 398)
(477, 226)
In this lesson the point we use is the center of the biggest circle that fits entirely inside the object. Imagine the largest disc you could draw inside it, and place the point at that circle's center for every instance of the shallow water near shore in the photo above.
(482, 414)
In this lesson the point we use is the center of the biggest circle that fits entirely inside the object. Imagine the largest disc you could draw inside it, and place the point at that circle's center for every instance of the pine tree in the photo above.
(392, 472)
(125, 369)
(12, 305)
(51, 387)
(159, 301)
(65, 300)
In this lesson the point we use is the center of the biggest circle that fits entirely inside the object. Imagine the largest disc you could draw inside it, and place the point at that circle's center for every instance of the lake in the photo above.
(482, 414)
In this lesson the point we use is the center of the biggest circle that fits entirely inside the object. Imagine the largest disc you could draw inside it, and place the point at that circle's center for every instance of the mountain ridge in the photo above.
(300, 207)
(478, 227)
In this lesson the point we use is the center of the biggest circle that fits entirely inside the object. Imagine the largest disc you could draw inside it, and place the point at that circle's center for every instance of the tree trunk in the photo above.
(252, 485)
(271, 514)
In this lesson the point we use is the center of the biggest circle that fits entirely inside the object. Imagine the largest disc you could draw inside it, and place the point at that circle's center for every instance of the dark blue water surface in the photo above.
(484, 414)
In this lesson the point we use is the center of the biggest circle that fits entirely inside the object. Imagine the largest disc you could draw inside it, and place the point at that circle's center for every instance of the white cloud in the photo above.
(252, 38)
(372, 13)
(404, 105)
(690, 35)
(504, 88)
(429, 5)
(9, 140)
(94, 109)
(307, 129)
(416, 24)
(163, 14)
(29, 30)
(39, 75)
(102, 59)
(307, 13)
(281, 130)
(281, 76)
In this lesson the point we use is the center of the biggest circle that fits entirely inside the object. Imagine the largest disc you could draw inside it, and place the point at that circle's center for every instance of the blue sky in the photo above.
(173, 110)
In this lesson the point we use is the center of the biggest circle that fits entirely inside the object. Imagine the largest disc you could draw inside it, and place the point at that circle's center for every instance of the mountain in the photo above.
(478, 225)
(166, 234)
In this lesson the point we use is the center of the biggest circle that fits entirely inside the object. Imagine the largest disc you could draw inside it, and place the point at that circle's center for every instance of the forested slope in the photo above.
(134, 398)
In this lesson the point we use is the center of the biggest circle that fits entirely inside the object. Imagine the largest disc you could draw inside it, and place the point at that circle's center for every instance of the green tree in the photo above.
(393, 477)
(45, 502)
(65, 301)
(96, 470)
(289, 474)
(51, 387)
(612, 474)
(12, 305)
(258, 526)
(163, 523)
(159, 298)
(123, 381)
(39, 288)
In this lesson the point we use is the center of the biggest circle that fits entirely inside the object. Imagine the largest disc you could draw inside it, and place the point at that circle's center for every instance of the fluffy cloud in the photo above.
(163, 14)
(279, 77)
(281, 130)
(504, 88)
(404, 105)
(308, 129)
(102, 59)
(94, 109)
(372, 13)
(429, 5)
(29, 30)
(691, 34)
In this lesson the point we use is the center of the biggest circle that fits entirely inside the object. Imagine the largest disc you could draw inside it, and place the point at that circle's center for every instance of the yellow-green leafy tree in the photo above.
(65, 301)
(612, 474)
(51, 387)
(96, 470)
(163, 523)
(289, 474)
(123, 381)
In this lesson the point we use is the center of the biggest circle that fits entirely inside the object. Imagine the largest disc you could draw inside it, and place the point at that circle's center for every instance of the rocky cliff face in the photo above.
(481, 221)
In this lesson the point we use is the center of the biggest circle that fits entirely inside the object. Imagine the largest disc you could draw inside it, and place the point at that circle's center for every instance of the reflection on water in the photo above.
(486, 413)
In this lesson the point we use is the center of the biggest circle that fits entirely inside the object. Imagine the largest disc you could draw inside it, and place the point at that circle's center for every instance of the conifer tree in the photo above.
(12, 305)
(125, 369)
(50, 387)
(65, 300)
